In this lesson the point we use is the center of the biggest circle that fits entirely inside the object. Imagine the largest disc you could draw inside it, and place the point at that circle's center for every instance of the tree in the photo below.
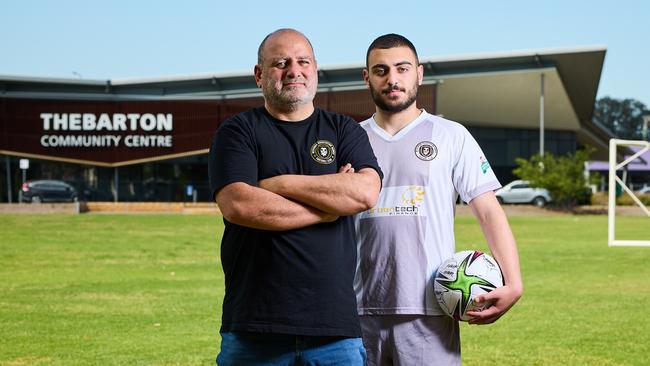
(623, 117)
(562, 176)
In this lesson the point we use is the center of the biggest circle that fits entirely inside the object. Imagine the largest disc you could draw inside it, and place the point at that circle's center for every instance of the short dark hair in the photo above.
(391, 40)
(260, 49)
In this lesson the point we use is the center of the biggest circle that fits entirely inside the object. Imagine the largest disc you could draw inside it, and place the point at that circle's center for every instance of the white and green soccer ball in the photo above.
(462, 278)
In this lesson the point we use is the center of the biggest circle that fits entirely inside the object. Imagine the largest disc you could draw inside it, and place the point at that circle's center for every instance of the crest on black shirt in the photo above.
(426, 150)
(323, 152)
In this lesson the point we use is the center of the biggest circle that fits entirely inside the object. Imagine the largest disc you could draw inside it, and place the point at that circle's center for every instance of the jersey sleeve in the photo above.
(232, 156)
(354, 148)
(472, 174)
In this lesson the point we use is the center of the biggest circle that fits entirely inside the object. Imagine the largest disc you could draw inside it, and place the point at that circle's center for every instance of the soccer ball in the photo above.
(461, 278)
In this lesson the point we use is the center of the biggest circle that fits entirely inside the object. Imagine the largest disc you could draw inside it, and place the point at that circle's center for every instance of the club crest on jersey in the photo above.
(426, 150)
(323, 152)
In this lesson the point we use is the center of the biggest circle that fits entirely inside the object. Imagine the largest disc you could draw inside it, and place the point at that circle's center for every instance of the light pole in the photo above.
(541, 115)
(8, 170)
(24, 165)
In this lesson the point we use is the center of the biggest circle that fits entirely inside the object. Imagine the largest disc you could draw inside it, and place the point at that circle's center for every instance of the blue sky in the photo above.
(142, 38)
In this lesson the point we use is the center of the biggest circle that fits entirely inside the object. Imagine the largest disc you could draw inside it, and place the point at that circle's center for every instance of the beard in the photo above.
(380, 102)
(288, 99)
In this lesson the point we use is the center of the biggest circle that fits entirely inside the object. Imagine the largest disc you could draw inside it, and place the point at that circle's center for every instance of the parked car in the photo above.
(520, 191)
(48, 191)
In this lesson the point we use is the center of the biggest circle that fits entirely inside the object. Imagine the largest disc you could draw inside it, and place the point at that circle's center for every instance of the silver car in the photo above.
(519, 191)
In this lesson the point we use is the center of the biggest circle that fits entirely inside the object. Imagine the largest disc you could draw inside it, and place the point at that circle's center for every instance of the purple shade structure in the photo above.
(640, 164)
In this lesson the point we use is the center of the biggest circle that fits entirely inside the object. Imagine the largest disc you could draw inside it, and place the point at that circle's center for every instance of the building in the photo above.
(636, 174)
(147, 139)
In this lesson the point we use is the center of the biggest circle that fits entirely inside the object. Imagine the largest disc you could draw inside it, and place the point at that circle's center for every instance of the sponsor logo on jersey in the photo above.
(323, 152)
(426, 150)
(485, 166)
(413, 195)
(407, 203)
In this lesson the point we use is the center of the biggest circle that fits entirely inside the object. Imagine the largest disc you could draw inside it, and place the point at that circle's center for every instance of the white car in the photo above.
(644, 190)
(519, 191)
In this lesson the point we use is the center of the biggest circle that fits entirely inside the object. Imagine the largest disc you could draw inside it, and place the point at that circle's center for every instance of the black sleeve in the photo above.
(354, 147)
(233, 156)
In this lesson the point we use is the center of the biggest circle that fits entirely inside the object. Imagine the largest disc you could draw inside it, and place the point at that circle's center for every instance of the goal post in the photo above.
(614, 180)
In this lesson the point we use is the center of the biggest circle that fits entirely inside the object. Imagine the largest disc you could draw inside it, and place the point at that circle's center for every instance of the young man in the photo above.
(427, 162)
(288, 249)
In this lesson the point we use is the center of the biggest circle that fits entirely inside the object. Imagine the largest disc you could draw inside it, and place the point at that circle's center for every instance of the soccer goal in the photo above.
(614, 180)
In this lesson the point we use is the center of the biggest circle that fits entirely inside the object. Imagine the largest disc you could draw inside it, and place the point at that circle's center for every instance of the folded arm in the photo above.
(341, 194)
(249, 206)
(496, 229)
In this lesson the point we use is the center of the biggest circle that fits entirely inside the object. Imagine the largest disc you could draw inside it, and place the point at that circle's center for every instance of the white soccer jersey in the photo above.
(410, 231)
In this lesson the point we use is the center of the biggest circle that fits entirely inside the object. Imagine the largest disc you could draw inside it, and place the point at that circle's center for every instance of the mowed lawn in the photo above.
(109, 289)
(147, 290)
(584, 303)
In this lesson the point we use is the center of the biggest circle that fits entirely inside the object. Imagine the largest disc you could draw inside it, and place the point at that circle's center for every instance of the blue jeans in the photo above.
(244, 349)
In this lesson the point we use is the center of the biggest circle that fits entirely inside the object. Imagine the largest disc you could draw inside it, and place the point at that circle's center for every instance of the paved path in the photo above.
(210, 208)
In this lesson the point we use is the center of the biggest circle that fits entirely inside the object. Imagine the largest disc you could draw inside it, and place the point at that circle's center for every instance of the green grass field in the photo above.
(147, 290)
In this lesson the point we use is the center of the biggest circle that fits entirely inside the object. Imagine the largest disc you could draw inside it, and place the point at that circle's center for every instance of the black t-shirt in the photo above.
(298, 281)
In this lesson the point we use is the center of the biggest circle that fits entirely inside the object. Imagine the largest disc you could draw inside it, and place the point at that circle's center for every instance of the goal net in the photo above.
(614, 180)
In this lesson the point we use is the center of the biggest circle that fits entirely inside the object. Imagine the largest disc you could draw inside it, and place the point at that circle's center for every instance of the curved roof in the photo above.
(489, 89)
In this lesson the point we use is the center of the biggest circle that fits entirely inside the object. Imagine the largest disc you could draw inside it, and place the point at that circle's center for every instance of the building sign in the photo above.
(111, 133)
(57, 126)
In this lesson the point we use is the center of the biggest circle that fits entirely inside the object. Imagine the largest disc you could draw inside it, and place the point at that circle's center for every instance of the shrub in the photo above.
(562, 176)
(601, 199)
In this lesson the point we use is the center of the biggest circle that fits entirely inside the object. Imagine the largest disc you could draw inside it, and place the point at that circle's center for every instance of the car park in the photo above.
(38, 191)
(520, 191)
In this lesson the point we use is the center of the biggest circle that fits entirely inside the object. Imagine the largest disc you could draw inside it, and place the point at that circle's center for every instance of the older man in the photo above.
(287, 177)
